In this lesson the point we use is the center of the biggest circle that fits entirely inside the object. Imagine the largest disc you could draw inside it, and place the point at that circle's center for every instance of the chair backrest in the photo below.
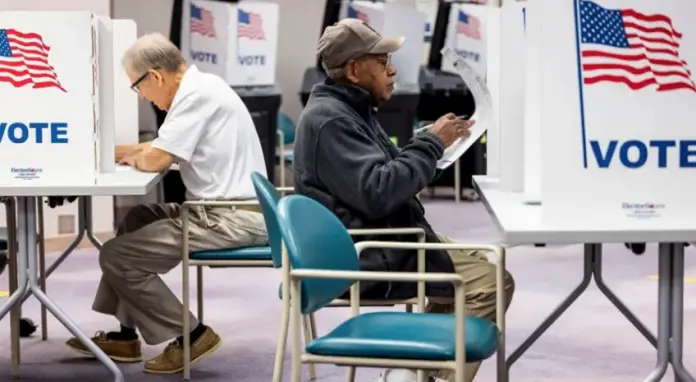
(268, 199)
(316, 239)
(286, 125)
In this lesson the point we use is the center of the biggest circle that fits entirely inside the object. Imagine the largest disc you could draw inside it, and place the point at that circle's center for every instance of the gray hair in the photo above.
(153, 51)
(335, 73)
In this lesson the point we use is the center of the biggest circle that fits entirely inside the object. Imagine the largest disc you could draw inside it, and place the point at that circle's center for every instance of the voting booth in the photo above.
(398, 115)
(607, 127)
(238, 42)
(61, 88)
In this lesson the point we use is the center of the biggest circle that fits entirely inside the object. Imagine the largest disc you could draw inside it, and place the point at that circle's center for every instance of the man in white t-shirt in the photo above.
(211, 135)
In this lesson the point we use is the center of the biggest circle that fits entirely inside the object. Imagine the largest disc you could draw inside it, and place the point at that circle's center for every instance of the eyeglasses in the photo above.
(134, 85)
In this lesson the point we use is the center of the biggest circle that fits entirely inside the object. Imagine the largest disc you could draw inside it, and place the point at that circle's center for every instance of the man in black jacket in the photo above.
(344, 160)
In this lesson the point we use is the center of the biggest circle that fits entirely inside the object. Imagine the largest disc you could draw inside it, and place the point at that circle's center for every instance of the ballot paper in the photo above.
(482, 115)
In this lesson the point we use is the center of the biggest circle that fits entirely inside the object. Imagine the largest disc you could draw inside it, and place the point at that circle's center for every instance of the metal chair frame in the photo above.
(299, 356)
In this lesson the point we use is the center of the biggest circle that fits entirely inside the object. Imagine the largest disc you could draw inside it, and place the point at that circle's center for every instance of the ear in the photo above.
(157, 76)
(351, 71)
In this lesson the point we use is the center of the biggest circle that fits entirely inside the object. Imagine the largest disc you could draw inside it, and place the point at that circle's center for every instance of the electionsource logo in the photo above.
(26, 173)
(643, 210)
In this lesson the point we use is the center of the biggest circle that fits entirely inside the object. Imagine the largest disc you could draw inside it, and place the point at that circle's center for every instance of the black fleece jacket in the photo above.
(344, 160)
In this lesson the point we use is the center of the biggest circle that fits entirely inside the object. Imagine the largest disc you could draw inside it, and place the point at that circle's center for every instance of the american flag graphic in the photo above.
(628, 47)
(358, 14)
(250, 26)
(24, 61)
(469, 26)
(202, 21)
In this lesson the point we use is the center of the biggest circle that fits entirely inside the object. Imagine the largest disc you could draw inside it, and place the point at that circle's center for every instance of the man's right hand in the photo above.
(448, 128)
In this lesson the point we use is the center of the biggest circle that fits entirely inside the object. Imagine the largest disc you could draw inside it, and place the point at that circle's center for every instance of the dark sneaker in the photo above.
(172, 359)
(118, 350)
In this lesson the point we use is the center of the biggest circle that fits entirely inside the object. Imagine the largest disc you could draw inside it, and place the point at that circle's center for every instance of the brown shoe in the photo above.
(118, 350)
(172, 359)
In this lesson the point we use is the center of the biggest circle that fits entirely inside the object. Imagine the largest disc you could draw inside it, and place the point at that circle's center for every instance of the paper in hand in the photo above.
(482, 115)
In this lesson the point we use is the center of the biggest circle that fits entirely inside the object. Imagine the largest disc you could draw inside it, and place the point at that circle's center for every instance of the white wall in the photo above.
(300, 28)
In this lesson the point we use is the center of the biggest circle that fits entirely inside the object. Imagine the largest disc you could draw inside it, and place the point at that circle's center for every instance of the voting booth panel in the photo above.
(509, 106)
(48, 84)
(493, 81)
(236, 42)
(256, 35)
(532, 102)
(618, 144)
(400, 21)
(125, 99)
(106, 114)
(466, 35)
(205, 35)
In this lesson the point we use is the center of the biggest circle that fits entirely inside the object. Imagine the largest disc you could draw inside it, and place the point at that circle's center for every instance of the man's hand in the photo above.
(129, 159)
(123, 151)
(448, 128)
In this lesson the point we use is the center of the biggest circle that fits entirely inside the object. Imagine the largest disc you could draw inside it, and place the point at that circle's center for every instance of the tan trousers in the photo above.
(148, 244)
(480, 286)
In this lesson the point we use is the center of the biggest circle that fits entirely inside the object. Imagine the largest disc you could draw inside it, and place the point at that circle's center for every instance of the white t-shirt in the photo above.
(211, 134)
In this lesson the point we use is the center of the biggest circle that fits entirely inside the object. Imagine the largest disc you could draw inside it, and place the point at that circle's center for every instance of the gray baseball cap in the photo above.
(349, 39)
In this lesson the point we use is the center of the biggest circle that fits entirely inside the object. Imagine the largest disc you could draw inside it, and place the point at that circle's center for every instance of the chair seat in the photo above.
(397, 335)
(246, 253)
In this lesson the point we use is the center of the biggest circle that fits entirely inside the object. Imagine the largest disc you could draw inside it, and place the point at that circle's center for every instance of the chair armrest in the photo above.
(386, 231)
(219, 203)
(377, 276)
(496, 249)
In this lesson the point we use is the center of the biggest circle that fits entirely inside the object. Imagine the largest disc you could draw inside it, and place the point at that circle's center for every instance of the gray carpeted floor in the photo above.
(592, 342)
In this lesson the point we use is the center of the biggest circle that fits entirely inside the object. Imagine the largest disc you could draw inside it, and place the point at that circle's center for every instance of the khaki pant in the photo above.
(479, 276)
(149, 243)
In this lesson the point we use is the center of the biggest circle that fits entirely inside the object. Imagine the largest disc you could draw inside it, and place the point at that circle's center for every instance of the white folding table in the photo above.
(125, 181)
(520, 224)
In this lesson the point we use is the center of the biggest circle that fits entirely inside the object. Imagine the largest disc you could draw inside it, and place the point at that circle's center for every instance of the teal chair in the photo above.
(268, 197)
(286, 136)
(324, 262)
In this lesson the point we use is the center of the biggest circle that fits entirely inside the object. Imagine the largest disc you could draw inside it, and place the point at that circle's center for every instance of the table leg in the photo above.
(586, 278)
(14, 301)
(677, 308)
(664, 312)
(84, 227)
(27, 223)
(42, 266)
(592, 266)
(86, 223)
(16, 312)
(614, 299)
